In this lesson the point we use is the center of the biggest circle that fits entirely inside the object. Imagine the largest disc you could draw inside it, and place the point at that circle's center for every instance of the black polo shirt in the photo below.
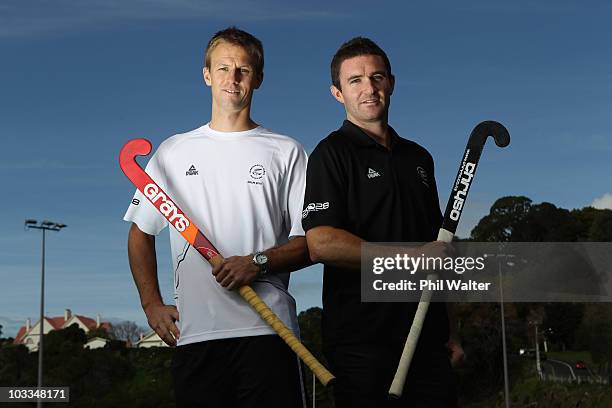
(379, 195)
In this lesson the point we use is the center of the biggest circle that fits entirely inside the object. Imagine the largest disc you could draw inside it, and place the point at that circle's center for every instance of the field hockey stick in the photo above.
(454, 208)
(166, 206)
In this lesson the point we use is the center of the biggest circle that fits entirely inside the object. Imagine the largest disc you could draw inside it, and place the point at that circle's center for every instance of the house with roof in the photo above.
(150, 339)
(95, 343)
(29, 334)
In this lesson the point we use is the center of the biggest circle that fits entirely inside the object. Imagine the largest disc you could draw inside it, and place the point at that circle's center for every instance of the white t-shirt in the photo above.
(244, 190)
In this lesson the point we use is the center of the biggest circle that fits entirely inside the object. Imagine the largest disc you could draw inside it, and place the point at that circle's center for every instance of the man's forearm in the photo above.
(143, 264)
(340, 248)
(334, 246)
(288, 257)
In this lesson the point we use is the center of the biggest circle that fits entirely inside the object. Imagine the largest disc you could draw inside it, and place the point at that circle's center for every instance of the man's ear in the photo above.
(337, 94)
(206, 75)
(392, 84)
(259, 81)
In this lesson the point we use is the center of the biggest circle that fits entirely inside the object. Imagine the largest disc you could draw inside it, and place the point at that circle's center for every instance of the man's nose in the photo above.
(237, 75)
(370, 86)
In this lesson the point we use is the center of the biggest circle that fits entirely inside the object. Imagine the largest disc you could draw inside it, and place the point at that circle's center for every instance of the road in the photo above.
(565, 370)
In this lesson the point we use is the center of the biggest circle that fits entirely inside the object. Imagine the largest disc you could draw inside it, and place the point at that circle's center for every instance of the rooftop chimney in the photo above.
(98, 320)
(67, 315)
(28, 324)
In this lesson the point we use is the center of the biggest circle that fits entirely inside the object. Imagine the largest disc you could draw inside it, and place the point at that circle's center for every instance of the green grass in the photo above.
(527, 391)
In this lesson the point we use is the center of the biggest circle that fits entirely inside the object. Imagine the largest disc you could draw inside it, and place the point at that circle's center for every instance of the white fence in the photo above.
(590, 379)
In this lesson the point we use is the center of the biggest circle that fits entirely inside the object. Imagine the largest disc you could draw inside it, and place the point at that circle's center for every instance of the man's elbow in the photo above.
(315, 255)
(136, 237)
(316, 246)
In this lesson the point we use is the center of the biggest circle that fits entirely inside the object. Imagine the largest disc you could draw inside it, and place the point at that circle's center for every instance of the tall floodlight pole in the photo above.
(537, 344)
(43, 226)
(503, 322)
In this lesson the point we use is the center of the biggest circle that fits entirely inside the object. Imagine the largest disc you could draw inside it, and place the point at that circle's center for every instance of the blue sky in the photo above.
(79, 78)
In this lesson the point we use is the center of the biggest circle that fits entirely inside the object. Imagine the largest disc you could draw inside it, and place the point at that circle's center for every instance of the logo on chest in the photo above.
(192, 171)
(256, 174)
(423, 176)
(372, 173)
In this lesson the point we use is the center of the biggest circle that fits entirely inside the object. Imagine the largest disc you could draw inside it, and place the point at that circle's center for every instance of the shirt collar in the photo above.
(361, 138)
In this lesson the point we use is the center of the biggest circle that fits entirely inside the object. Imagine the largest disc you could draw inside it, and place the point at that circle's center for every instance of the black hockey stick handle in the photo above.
(454, 209)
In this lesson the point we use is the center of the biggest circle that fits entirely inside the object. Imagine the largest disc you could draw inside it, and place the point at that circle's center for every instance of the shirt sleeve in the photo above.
(435, 207)
(293, 191)
(325, 200)
(141, 211)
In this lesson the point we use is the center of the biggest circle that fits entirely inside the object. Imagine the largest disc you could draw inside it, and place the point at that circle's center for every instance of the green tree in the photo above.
(601, 228)
(99, 332)
(505, 216)
(3, 341)
(310, 333)
(545, 222)
(480, 332)
(17, 366)
(596, 331)
(517, 219)
(563, 319)
(65, 340)
(127, 330)
(584, 217)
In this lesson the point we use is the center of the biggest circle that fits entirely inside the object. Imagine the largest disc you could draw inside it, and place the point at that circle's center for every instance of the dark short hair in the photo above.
(354, 48)
(241, 38)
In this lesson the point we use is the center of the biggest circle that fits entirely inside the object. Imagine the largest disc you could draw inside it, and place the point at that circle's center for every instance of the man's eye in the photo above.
(222, 68)
(244, 71)
(354, 81)
(378, 77)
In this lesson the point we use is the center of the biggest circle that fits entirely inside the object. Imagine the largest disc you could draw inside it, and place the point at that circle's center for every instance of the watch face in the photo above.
(261, 259)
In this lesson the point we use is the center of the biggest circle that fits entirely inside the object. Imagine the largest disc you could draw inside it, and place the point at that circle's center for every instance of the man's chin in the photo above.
(233, 105)
(372, 118)
(373, 113)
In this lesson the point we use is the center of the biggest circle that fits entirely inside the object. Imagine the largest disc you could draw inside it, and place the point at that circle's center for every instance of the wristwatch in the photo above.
(260, 259)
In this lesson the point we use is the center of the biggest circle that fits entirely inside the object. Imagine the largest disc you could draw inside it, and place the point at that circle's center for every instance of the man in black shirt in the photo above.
(366, 183)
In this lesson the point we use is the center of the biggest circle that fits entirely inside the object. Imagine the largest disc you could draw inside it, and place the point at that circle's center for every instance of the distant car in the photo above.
(580, 365)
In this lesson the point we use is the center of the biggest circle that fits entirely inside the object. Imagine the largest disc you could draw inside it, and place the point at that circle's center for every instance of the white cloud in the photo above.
(18, 18)
(603, 202)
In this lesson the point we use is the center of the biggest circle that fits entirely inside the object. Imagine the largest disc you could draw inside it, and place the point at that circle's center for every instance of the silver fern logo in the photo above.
(423, 175)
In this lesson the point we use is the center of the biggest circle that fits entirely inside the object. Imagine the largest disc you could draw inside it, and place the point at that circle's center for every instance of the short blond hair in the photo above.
(235, 36)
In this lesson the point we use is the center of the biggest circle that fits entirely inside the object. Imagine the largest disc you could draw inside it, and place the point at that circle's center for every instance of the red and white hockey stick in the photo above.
(193, 235)
(454, 208)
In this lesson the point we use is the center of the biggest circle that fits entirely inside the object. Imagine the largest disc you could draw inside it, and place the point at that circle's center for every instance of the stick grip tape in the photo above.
(248, 294)
(279, 327)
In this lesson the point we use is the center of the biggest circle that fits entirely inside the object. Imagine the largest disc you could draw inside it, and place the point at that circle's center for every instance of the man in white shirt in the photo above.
(243, 185)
